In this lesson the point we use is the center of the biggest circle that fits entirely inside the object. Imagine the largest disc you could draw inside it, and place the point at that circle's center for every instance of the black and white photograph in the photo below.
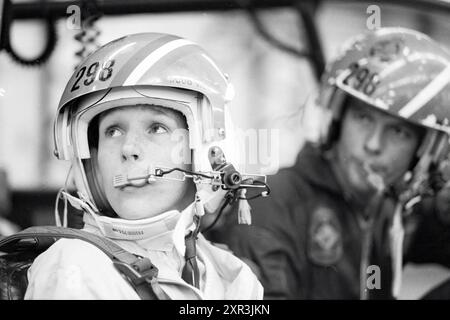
(224, 150)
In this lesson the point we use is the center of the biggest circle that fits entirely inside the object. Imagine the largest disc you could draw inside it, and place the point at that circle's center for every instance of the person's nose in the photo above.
(373, 143)
(132, 148)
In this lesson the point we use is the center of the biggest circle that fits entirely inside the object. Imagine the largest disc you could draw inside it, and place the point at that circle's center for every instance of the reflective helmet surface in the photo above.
(144, 68)
(400, 71)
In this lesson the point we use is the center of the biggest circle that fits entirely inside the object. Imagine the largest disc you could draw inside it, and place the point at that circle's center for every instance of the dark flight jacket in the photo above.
(307, 240)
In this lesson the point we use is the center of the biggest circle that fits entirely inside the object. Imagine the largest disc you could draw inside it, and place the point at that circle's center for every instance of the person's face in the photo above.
(131, 139)
(373, 139)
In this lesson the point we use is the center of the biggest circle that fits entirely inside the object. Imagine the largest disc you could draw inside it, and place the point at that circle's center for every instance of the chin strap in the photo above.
(59, 196)
(84, 205)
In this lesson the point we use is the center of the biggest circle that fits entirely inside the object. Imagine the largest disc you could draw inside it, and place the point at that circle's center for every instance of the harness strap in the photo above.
(140, 272)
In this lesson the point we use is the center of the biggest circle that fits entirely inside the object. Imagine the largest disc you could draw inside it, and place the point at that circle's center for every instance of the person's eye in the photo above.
(113, 132)
(362, 117)
(158, 128)
(401, 132)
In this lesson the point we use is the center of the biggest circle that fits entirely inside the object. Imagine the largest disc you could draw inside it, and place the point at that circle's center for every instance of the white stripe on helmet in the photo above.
(152, 58)
(424, 96)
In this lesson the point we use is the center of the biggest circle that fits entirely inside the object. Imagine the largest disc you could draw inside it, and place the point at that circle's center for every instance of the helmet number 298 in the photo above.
(362, 79)
(89, 74)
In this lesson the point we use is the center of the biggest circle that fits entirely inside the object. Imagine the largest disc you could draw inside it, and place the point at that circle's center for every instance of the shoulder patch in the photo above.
(325, 246)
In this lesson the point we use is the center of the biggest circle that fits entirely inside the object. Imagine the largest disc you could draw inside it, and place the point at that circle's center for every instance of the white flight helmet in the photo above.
(154, 69)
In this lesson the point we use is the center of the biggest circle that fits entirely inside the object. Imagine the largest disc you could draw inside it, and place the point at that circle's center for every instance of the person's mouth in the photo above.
(374, 173)
(135, 184)
(132, 179)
